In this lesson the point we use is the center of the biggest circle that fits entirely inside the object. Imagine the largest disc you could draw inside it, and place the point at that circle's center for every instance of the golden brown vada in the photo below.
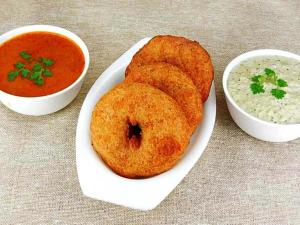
(171, 80)
(138, 130)
(188, 55)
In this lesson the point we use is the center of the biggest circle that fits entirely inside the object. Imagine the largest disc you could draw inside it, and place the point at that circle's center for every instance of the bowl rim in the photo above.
(51, 29)
(237, 61)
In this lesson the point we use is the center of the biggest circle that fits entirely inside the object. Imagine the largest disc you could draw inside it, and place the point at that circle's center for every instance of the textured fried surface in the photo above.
(188, 55)
(164, 132)
(171, 80)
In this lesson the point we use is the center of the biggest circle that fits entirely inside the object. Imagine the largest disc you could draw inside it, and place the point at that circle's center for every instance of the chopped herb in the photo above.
(47, 62)
(269, 72)
(12, 75)
(271, 77)
(258, 79)
(34, 73)
(36, 67)
(47, 73)
(25, 72)
(25, 55)
(19, 65)
(278, 93)
(39, 81)
(282, 83)
(257, 88)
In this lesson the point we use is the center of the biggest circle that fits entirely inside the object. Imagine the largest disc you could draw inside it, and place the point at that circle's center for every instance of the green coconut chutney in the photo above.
(263, 105)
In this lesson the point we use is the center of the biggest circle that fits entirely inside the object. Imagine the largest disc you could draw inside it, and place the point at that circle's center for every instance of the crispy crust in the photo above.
(164, 133)
(173, 82)
(188, 55)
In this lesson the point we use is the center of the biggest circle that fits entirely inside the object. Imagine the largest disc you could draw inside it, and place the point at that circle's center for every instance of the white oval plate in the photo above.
(99, 182)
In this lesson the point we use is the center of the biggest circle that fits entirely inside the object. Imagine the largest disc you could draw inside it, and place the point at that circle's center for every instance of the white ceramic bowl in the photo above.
(37, 106)
(99, 182)
(255, 127)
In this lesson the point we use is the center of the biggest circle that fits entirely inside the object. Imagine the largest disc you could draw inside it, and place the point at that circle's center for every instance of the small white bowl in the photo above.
(43, 105)
(255, 127)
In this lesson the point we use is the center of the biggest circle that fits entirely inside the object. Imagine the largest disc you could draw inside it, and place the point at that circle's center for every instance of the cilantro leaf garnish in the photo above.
(255, 78)
(278, 93)
(25, 72)
(12, 75)
(282, 83)
(36, 73)
(25, 55)
(269, 76)
(258, 79)
(39, 81)
(47, 62)
(36, 67)
(19, 65)
(47, 73)
(257, 88)
(269, 72)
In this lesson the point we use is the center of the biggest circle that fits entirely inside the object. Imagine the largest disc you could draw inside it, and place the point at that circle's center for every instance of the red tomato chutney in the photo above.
(67, 67)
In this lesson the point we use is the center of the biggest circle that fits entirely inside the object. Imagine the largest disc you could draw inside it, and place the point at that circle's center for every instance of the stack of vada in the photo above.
(142, 127)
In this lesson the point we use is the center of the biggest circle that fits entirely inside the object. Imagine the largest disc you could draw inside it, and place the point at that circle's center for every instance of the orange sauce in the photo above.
(67, 56)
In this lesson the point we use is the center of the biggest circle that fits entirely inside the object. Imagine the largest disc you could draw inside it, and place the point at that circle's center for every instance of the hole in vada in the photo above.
(134, 134)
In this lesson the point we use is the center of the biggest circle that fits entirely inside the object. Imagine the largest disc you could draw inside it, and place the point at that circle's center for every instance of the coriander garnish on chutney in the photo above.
(36, 73)
(269, 76)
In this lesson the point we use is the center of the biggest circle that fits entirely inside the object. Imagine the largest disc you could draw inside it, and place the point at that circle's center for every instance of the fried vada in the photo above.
(173, 82)
(188, 55)
(138, 130)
